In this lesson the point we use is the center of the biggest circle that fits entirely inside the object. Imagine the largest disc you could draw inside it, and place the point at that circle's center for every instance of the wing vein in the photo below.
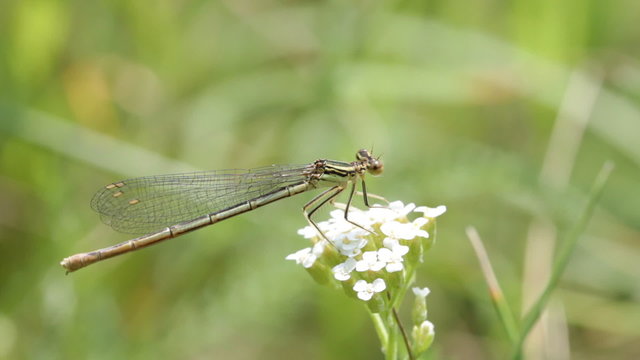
(145, 204)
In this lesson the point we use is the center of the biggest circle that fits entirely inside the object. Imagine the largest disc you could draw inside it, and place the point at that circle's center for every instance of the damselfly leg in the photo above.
(323, 198)
(346, 210)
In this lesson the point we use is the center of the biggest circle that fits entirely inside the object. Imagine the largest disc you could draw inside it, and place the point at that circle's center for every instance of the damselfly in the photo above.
(167, 206)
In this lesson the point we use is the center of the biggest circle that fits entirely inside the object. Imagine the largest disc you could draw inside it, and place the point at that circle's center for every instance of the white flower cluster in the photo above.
(357, 247)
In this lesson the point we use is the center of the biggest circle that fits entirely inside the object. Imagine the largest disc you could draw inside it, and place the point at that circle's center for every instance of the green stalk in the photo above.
(405, 338)
(392, 344)
(495, 291)
(381, 329)
(563, 257)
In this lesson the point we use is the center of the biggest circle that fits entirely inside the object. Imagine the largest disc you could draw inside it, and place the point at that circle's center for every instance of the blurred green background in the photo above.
(503, 111)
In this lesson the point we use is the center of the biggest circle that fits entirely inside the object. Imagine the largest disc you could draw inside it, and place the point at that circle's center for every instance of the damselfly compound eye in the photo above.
(363, 154)
(375, 167)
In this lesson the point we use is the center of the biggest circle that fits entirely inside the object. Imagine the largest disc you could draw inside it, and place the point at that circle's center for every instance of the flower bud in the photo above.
(422, 335)
(419, 311)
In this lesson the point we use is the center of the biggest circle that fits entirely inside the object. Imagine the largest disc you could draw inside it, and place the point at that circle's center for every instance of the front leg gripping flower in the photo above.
(378, 266)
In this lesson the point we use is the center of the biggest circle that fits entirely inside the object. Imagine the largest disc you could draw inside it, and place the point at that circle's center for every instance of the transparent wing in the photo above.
(146, 204)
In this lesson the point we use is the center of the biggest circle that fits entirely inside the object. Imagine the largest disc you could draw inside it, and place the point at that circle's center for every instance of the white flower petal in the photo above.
(396, 205)
(356, 234)
(298, 254)
(361, 218)
(390, 243)
(428, 327)
(365, 295)
(304, 257)
(370, 256)
(385, 255)
(392, 257)
(341, 276)
(390, 228)
(350, 253)
(377, 266)
(395, 210)
(337, 214)
(379, 285)
(403, 231)
(366, 290)
(343, 271)
(394, 245)
(308, 261)
(420, 222)
(360, 285)
(308, 232)
(431, 212)
(349, 244)
(318, 248)
(350, 264)
(401, 250)
(400, 209)
(370, 261)
(394, 267)
(398, 230)
(421, 292)
(362, 266)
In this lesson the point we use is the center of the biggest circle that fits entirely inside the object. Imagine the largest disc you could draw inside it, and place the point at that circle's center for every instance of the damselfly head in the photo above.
(374, 165)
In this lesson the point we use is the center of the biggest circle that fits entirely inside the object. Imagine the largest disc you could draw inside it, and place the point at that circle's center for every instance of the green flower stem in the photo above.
(403, 333)
(390, 333)
(392, 344)
(381, 328)
(399, 296)
(563, 257)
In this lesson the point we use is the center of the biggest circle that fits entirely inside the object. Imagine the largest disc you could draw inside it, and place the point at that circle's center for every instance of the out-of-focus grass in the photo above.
(460, 102)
